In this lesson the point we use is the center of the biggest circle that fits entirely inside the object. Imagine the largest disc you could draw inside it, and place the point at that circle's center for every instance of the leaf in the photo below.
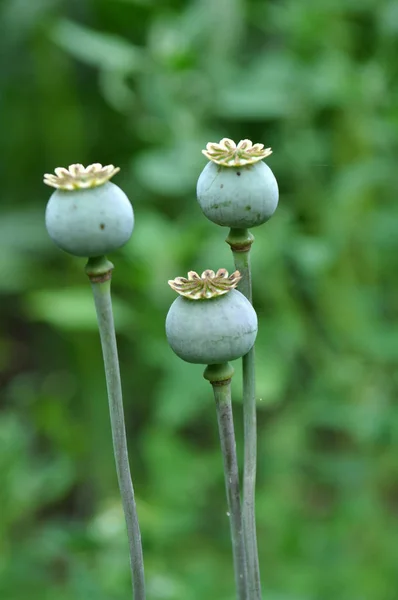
(261, 90)
(73, 309)
(100, 50)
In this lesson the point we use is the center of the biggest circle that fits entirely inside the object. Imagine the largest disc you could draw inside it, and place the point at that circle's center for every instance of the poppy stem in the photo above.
(240, 241)
(99, 270)
(220, 378)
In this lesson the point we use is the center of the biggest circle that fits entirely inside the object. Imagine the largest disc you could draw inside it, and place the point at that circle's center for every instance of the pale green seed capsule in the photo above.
(238, 197)
(236, 189)
(88, 221)
(212, 327)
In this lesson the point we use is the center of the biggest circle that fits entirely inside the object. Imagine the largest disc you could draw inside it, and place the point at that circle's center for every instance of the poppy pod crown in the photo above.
(207, 285)
(77, 177)
(228, 154)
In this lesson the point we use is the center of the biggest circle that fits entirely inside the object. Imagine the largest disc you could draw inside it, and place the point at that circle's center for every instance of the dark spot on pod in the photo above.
(248, 207)
(222, 185)
(238, 173)
(102, 226)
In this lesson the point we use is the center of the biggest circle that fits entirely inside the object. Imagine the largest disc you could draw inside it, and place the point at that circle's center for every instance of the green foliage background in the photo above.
(144, 85)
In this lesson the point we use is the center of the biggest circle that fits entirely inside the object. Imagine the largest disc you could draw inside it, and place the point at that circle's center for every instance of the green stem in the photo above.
(222, 396)
(99, 271)
(240, 242)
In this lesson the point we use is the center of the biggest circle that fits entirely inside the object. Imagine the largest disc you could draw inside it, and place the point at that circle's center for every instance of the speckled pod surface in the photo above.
(90, 222)
(211, 331)
(238, 197)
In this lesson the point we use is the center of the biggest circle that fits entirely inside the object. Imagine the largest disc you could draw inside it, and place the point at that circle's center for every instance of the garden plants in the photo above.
(237, 190)
(87, 215)
(212, 323)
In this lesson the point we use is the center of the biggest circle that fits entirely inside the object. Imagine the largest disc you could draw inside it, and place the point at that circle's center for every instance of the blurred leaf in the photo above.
(156, 169)
(73, 309)
(100, 50)
(262, 90)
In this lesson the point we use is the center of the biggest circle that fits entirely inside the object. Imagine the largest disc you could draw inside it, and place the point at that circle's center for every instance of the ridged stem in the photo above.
(222, 396)
(99, 271)
(240, 241)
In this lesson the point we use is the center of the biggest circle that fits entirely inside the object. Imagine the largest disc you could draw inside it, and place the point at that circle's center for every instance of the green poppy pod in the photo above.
(236, 189)
(88, 215)
(210, 322)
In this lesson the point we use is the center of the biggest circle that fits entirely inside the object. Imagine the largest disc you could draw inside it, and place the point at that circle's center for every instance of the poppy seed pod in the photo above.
(210, 322)
(236, 189)
(88, 215)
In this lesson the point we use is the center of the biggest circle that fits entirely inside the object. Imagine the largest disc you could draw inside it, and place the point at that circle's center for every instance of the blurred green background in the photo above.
(144, 85)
